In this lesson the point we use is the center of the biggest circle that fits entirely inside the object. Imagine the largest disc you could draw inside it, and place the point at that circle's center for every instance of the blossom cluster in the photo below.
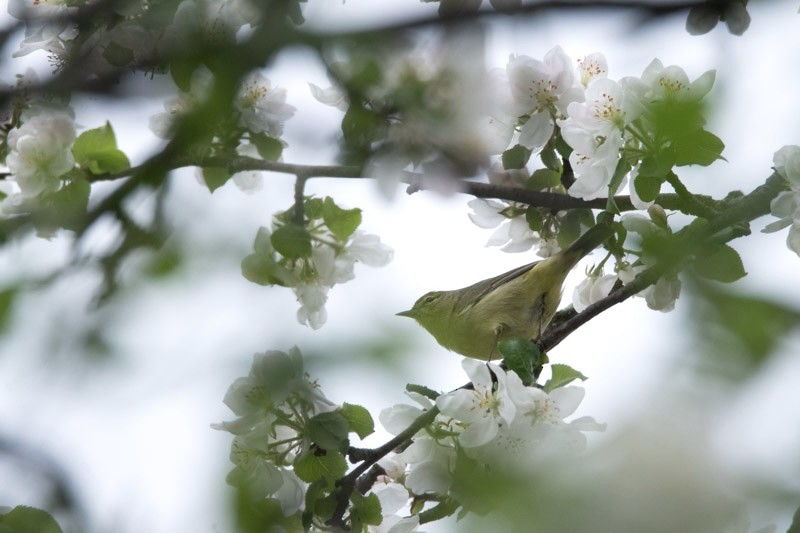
(271, 404)
(312, 258)
(611, 132)
(288, 436)
(260, 112)
(132, 33)
(39, 153)
(660, 296)
(499, 422)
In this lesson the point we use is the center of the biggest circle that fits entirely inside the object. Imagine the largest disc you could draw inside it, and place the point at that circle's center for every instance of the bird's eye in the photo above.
(430, 298)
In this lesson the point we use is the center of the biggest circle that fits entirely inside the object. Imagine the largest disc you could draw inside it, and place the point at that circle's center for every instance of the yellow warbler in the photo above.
(517, 304)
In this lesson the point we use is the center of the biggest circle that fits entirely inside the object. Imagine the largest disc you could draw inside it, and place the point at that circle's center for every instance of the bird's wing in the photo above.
(474, 293)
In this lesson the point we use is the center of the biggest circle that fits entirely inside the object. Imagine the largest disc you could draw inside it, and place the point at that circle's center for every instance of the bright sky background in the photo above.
(133, 431)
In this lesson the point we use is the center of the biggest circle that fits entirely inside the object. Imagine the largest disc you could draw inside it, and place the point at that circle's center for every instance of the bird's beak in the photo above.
(409, 313)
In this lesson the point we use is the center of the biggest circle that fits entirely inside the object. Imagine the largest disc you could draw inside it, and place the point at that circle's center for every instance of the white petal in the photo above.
(536, 131)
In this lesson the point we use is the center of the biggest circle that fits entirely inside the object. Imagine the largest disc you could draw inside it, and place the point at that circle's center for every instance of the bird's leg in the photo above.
(497, 332)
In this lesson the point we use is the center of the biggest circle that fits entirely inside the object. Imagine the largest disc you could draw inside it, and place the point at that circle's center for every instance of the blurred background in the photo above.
(120, 397)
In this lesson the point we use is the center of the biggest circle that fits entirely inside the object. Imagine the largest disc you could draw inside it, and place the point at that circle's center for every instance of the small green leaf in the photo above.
(647, 187)
(329, 431)
(341, 222)
(96, 151)
(23, 519)
(521, 356)
(215, 177)
(182, 70)
(562, 375)
(269, 148)
(534, 218)
(318, 464)
(117, 55)
(367, 509)
(6, 305)
(291, 241)
(621, 170)
(698, 148)
(65, 208)
(263, 270)
(424, 391)
(359, 126)
(570, 228)
(550, 158)
(516, 157)
(720, 263)
(544, 178)
(312, 207)
(657, 166)
(358, 419)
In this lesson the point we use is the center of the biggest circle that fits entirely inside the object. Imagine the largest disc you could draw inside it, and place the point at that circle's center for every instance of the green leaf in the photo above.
(215, 177)
(366, 509)
(656, 166)
(550, 158)
(291, 241)
(359, 126)
(6, 305)
(534, 218)
(740, 331)
(117, 55)
(621, 170)
(562, 375)
(23, 519)
(795, 527)
(697, 148)
(65, 208)
(720, 263)
(570, 228)
(647, 187)
(424, 391)
(358, 418)
(516, 157)
(341, 222)
(96, 151)
(263, 270)
(311, 466)
(312, 207)
(544, 178)
(182, 70)
(329, 431)
(521, 356)
(269, 148)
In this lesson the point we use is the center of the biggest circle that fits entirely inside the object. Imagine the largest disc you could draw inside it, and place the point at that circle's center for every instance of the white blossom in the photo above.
(484, 409)
(672, 83)
(786, 205)
(332, 96)
(594, 129)
(591, 290)
(40, 151)
(163, 124)
(328, 266)
(263, 108)
(592, 67)
(393, 497)
(512, 234)
(542, 90)
(46, 26)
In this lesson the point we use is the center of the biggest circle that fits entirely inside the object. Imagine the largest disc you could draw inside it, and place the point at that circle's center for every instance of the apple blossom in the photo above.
(40, 151)
(263, 108)
(541, 91)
